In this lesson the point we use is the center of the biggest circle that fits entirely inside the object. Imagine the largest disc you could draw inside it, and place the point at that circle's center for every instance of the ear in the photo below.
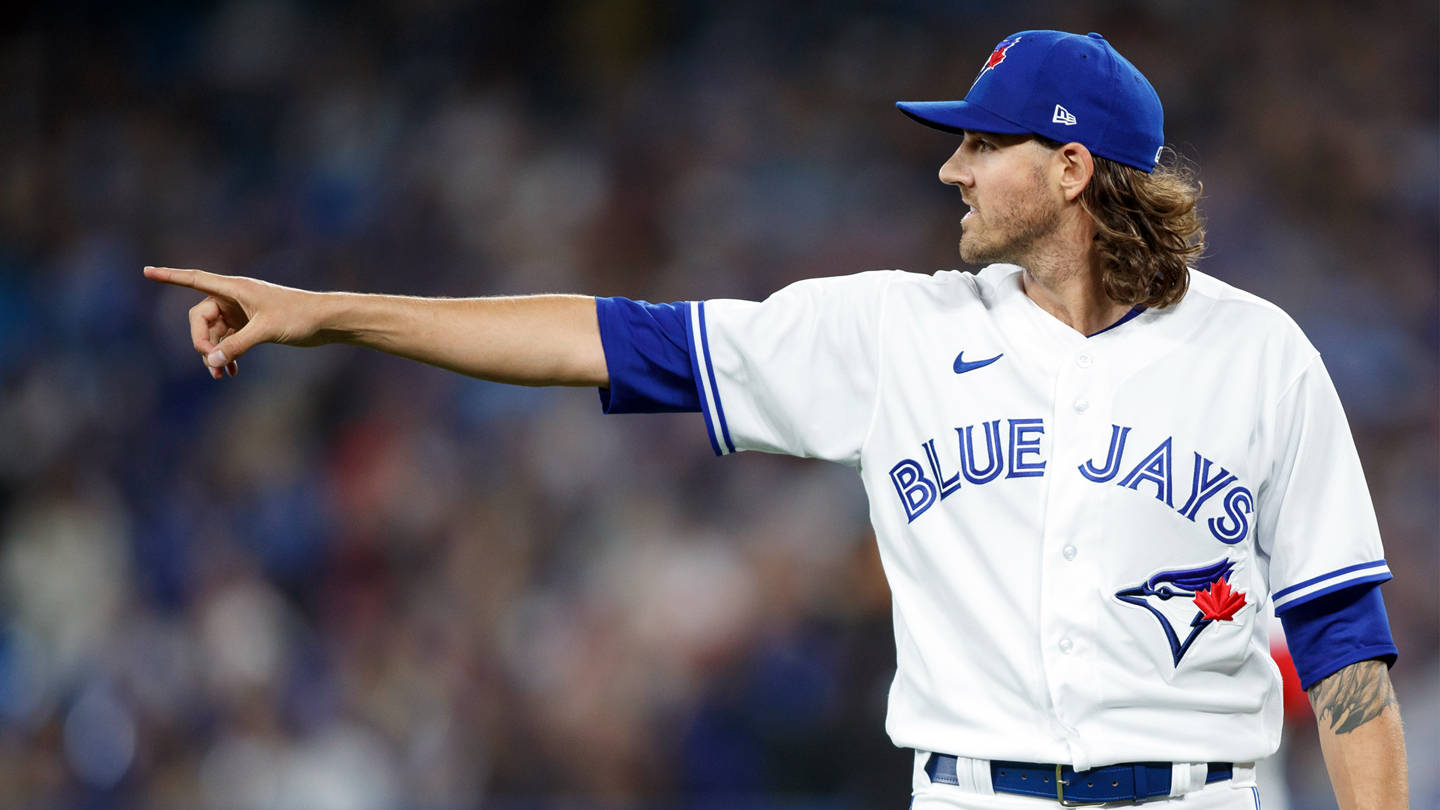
(1076, 166)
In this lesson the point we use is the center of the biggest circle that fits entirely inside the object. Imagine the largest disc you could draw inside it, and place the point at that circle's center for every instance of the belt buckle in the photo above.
(1060, 793)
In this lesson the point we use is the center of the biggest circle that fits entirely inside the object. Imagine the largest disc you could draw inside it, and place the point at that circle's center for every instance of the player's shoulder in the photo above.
(874, 287)
(1227, 308)
(953, 287)
(988, 280)
(1218, 316)
(865, 282)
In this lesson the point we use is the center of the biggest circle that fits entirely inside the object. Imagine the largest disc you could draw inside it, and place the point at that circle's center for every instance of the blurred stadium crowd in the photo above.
(345, 582)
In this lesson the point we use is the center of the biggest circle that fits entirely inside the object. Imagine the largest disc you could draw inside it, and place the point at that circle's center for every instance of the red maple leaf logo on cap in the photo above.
(1218, 601)
(996, 57)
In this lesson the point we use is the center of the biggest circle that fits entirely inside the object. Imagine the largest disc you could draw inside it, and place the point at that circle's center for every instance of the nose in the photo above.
(955, 172)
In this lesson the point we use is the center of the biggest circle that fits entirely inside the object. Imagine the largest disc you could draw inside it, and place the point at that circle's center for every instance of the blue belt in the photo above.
(1129, 781)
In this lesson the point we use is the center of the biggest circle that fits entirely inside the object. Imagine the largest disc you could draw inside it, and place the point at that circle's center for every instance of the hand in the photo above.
(240, 313)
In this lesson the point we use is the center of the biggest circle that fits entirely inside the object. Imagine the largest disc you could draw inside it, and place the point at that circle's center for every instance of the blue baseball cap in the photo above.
(1066, 87)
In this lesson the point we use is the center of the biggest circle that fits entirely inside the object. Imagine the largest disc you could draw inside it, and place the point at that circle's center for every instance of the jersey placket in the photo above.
(1071, 565)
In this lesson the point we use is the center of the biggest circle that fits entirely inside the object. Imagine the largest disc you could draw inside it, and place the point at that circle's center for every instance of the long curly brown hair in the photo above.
(1148, 229)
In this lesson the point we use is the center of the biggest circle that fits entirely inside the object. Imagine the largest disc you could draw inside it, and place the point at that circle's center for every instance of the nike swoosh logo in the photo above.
(961, 366)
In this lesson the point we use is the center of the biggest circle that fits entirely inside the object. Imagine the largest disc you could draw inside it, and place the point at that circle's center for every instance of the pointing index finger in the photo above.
(196, 279)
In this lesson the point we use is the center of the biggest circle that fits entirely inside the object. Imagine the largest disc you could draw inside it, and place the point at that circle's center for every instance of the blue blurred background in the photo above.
(345, 582)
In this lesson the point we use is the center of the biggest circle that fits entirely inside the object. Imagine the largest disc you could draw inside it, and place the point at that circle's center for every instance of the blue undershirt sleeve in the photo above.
(1334, 631)
(647, 353)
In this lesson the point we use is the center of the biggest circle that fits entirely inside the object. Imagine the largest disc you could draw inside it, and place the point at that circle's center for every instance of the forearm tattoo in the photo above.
(1353, 696)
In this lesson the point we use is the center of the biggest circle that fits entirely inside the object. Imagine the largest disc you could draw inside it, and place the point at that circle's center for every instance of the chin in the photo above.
(971, 253)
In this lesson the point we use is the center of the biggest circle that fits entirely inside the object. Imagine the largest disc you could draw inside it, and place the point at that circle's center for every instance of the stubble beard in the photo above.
(1011, 235)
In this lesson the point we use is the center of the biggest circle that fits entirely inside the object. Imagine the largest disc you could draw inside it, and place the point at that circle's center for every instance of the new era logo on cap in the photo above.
(1067, 87)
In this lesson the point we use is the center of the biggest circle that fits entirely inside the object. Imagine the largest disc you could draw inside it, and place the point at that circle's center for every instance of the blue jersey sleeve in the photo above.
(648, 354)
(1336, 630)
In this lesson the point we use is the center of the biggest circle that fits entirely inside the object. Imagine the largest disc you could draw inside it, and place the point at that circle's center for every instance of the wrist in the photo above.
(339, 316)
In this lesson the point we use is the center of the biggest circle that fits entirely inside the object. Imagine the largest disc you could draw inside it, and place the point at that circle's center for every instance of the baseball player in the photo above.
(1094, 473)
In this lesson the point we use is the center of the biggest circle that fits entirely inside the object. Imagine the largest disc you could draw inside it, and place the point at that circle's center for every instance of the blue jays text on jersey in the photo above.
(1015, 452)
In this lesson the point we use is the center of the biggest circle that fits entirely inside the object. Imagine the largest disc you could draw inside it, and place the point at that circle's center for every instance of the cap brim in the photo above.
(958, 116)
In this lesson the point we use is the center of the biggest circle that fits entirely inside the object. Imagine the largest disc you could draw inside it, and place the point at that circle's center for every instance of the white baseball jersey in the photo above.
(1085, 538)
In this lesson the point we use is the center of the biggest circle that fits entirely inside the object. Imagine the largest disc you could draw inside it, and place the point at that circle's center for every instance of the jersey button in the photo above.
(1069, 552)
(1066, 646)
(1084, 361)
(1082, 405)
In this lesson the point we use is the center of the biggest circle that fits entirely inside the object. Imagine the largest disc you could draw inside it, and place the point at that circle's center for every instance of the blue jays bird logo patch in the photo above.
(1206, 588)
(996, 57)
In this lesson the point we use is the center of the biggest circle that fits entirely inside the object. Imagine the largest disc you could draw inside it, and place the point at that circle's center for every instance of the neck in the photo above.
(1068, 287)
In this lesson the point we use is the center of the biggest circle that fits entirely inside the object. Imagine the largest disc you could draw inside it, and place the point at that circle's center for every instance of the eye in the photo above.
(975, 143)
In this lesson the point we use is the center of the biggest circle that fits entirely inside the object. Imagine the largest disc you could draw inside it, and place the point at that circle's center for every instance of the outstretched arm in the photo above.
(1361, 737)
(531, 340)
